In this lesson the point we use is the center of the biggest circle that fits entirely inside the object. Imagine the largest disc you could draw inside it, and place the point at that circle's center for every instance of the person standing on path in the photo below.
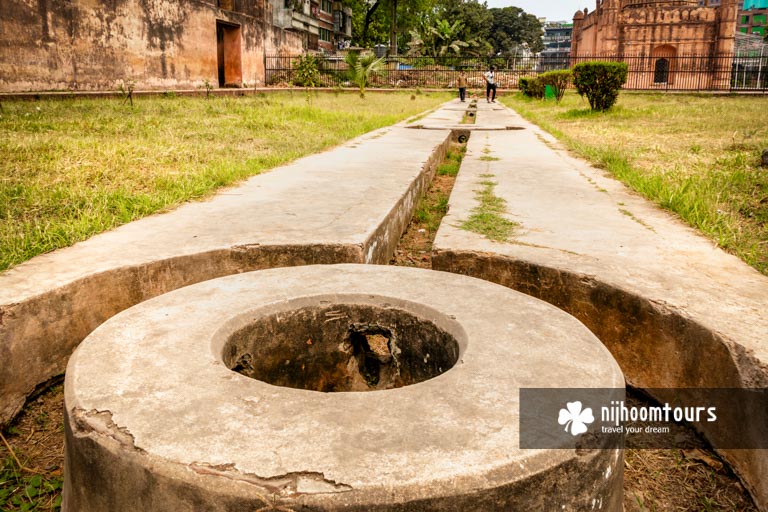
(490, 85)
(462, 83)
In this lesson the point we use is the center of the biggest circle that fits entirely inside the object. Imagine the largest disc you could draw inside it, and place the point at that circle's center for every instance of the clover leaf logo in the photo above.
(574, 418)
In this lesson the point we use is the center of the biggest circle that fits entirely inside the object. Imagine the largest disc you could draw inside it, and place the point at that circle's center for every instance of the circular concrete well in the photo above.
(343, 387)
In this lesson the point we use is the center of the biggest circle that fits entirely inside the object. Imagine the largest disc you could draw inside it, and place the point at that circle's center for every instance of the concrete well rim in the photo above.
(465, 427)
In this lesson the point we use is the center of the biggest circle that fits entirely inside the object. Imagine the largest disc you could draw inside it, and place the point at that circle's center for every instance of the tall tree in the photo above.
(368, 23)
(511, 27)
(486, 31)
(393, 28)
(437, 39)
(379, 21)
(476, 21)
(370, 10)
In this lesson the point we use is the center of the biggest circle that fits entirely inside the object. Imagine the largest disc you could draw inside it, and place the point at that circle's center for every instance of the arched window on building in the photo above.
(664, 64)
(661, 71)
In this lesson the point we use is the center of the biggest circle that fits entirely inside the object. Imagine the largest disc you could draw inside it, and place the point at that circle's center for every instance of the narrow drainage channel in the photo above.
(470, 116)
(415, 246)
(654, 479)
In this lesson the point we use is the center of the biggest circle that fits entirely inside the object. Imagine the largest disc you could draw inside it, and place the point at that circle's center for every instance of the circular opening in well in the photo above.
(341, 347)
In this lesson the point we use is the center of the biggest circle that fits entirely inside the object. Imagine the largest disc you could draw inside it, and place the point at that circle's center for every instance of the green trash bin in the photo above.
(550, 93)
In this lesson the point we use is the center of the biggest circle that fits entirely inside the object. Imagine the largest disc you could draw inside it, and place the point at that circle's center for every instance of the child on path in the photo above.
(462, 83)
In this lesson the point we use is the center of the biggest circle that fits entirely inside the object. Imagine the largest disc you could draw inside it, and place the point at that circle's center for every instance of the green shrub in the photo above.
(600, 82)
(532, 87)
(559, 80)
(536, 89)
(524, 84)
(305, 72)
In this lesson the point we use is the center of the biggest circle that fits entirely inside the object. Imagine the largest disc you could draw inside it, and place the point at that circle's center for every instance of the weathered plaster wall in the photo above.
(97, 44)
(661, 29)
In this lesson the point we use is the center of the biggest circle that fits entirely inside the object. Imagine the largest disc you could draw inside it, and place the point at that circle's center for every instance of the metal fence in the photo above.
(735, 73)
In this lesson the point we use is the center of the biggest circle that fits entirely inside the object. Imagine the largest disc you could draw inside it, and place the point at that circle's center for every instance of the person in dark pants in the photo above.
(462, 83)
(490, 85)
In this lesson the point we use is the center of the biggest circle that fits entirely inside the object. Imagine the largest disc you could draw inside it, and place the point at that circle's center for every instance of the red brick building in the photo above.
(662, 32)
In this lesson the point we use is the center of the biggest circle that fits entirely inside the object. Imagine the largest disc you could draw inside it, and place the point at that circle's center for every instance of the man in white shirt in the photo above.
(490, 85)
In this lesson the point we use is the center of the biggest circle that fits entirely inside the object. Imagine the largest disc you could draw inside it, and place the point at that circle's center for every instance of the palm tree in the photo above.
(362, 67)
(436, 40)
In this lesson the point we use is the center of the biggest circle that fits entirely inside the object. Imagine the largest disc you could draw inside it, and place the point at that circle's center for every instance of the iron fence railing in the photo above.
(735, 73)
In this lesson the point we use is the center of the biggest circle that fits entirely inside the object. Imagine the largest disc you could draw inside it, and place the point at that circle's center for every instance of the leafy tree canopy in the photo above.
(465, 27)
(512, 27)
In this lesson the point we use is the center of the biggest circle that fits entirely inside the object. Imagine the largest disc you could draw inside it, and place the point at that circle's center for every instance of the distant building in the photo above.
(342, 25)
(557, 38)
(662, 31)
(312, 20)
(557, 45)
(752, 18)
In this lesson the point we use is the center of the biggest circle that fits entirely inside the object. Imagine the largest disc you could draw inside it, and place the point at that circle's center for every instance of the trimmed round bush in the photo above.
(600, 82)
(532, 87)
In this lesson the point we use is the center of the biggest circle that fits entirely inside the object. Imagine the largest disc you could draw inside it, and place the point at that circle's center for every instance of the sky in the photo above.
(553, 10)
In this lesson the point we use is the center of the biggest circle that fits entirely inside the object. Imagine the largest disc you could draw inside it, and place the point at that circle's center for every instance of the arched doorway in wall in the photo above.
(663, 58)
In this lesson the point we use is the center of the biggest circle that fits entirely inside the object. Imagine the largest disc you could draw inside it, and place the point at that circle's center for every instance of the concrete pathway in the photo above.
(674, 310)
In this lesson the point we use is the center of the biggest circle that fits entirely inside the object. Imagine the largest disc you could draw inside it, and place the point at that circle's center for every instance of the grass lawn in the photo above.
(696, 155)
(72, 168)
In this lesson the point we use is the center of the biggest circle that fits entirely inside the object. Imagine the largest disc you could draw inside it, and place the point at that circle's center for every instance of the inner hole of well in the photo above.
(341, 347)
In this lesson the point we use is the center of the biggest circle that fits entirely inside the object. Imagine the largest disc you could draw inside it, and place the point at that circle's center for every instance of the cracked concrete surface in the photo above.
(290, 484)
(100, 422)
